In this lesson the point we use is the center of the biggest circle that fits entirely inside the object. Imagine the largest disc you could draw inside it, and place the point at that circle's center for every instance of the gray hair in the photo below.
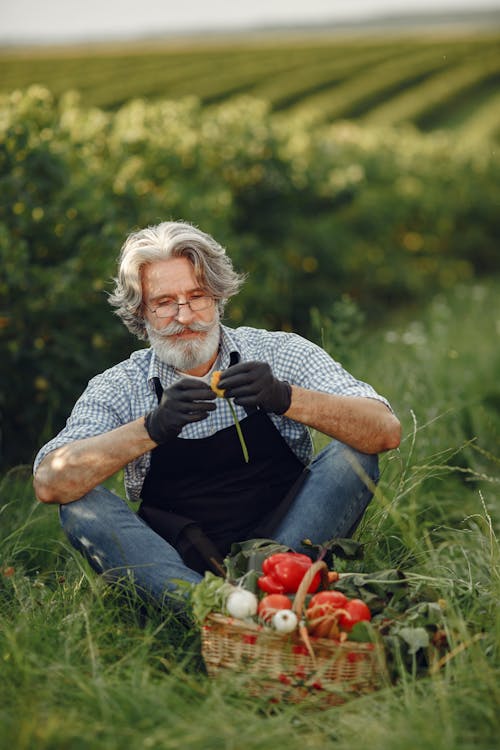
(170, 239)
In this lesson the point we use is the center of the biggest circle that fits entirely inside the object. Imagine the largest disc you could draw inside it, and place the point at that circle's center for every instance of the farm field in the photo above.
(434, 81)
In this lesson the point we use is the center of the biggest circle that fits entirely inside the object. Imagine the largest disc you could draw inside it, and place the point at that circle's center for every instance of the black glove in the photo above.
(186, 401)
(253, 384)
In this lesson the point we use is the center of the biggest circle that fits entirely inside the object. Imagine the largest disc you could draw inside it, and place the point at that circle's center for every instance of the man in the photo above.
(156, 416)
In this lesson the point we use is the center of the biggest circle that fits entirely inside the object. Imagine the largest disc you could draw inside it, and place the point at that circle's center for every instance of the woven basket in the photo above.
(281, 667)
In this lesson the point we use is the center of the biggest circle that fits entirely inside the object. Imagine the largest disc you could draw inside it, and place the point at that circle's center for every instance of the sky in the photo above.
(71, 20)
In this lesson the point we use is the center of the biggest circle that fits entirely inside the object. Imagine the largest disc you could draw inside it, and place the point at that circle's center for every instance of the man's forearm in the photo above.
(71, 471)
(363, 423)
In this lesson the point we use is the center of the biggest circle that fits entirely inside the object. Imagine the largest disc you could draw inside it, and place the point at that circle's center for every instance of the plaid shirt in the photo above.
(126, 392)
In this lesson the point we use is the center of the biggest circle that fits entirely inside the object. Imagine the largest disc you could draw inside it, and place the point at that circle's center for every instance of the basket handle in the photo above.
(300, 596)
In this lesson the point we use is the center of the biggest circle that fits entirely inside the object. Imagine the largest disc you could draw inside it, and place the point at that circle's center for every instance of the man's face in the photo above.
(188, 340)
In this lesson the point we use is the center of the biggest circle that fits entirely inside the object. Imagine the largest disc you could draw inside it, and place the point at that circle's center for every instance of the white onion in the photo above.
(241, 604)
(285, 621)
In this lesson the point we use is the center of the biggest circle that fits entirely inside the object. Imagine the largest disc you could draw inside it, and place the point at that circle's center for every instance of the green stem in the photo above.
(238, 430)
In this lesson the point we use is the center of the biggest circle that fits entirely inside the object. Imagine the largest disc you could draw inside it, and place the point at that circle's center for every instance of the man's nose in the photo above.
(184, 312)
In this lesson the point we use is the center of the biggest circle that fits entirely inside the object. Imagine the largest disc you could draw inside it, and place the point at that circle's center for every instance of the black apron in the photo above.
(201, 496)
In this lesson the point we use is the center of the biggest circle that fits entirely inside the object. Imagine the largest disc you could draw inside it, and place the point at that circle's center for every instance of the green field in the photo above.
(432, 79)
(83, 669)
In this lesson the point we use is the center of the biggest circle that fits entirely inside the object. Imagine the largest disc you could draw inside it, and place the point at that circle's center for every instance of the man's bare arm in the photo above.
(69, 472)
(365, 424)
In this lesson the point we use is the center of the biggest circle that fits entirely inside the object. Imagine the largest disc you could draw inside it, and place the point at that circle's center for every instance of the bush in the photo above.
(313, 213)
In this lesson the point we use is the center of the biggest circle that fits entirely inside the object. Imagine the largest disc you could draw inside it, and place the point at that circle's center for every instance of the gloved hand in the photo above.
(186, 401)
(253, 384)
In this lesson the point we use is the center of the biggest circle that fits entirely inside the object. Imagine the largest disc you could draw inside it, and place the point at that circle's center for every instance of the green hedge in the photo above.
(312, 212)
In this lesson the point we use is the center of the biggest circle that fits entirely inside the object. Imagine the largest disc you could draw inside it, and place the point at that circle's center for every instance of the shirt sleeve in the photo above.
(102, 407)
(307, 365)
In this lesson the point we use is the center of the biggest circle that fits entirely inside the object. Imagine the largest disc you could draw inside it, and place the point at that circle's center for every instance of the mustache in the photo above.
(174, 328)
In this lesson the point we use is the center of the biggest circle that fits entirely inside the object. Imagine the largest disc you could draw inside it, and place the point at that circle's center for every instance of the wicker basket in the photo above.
(282, 668)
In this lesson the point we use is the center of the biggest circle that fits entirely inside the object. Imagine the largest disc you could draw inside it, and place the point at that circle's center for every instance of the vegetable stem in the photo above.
(238, 430)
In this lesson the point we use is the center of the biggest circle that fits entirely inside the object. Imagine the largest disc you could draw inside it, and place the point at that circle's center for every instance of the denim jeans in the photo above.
(119, 544)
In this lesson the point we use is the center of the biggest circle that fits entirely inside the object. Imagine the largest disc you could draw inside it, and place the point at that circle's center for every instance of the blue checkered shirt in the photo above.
(126, 392)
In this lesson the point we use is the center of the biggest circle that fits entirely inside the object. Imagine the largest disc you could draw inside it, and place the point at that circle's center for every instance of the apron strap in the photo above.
(158, 388)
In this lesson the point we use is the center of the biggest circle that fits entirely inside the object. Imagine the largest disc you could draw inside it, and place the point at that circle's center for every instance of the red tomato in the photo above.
(269, 605)
(324, 613)
(355, 611)
(328, 600)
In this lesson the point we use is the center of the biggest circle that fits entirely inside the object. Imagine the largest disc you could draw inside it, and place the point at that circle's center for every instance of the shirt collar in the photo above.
(167, 374)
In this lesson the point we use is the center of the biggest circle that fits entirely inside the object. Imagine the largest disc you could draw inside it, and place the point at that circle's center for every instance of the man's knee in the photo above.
(93, 515)
(79, 512)
(90, 524)
(340, 460)
(364, 465)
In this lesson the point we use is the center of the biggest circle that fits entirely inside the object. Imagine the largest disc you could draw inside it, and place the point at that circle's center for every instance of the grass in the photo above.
(86, 667)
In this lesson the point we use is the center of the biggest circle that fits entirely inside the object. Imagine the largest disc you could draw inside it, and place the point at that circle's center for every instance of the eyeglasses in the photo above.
(171, 309)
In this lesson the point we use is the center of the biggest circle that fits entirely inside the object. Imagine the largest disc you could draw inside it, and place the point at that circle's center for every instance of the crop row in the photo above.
(167, 73)
(286, 89)
(416, 77)
(483, 123)
(431, 82)
(418, 102)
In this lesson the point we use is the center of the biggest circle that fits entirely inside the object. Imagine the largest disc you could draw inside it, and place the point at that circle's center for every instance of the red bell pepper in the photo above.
(284, 571)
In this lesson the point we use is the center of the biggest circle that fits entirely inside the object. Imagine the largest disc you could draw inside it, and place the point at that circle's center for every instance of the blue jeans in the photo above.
(119, 544)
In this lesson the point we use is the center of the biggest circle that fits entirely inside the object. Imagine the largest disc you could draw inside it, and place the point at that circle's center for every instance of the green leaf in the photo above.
(415, 638)
(425, 614)
(345, 549)
(363, 632)
(377, 589)
(209, 595)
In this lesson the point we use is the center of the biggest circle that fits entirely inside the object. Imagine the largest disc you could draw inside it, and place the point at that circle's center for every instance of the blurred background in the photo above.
(60, 21)
(346, 154)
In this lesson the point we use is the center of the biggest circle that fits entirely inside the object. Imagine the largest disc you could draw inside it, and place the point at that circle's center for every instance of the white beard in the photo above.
(185, 355)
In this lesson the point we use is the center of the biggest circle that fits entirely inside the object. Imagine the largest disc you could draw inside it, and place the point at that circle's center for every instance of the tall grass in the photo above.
(83, 666)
